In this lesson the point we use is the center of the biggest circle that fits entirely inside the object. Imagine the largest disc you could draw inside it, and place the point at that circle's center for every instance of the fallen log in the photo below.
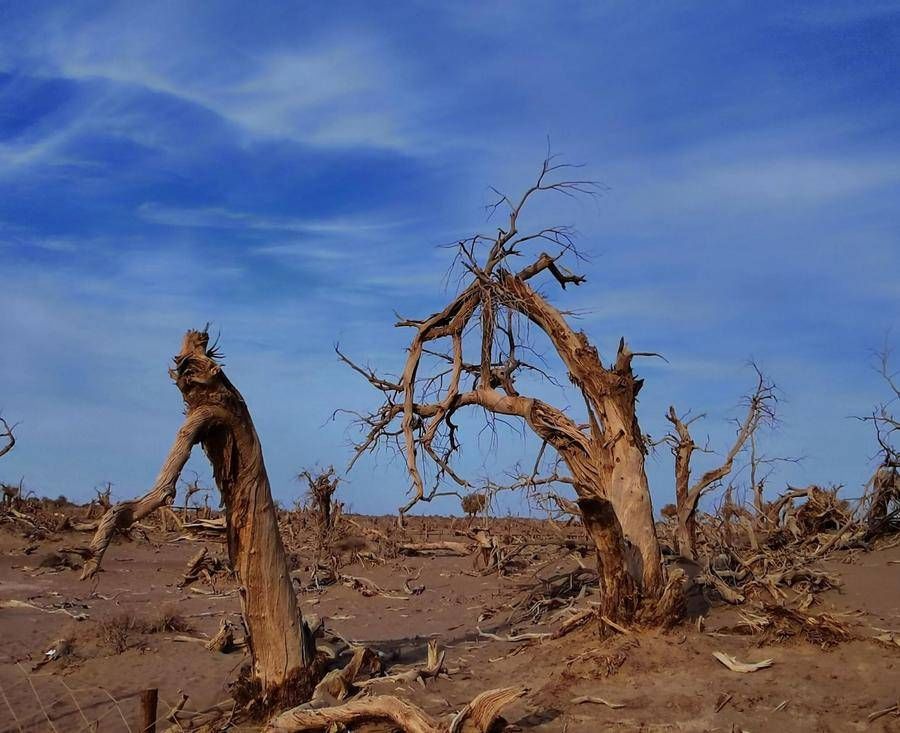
(435, 548)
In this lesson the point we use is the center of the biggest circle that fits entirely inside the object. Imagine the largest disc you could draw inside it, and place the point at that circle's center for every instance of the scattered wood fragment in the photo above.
(735, 666)
(892, 710)
(514, 638)
(723, 700)
(338, 684)
(618, 627)
(597, 701)
(460, 549)
(13, 603)
(58, 649)
(433, 668)
(223, 641)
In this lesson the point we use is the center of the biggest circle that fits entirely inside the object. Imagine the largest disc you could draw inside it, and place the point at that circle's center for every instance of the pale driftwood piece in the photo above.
(192, 571)
(339, 683)
(435, 548)
(744, 667)
(476, 717)
(218, 417)
(514, 638)
(597, 701)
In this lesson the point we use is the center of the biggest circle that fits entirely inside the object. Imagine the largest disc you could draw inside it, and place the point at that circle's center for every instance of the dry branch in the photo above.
(760, 408)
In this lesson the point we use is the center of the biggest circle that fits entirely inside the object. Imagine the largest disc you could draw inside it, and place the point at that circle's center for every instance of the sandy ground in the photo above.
(666, 682)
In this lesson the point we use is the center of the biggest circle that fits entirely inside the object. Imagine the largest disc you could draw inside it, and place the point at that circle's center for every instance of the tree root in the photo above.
(479, 716)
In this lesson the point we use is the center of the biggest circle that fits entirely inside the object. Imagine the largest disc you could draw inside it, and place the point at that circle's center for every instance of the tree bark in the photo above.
(617, 447)
(619, 596)
(218, 418)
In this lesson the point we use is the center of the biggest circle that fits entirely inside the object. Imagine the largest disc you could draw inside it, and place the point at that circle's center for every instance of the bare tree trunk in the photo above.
(218, 418)
(686, 522)
(617, 444)
(619, 595)
(885, 490)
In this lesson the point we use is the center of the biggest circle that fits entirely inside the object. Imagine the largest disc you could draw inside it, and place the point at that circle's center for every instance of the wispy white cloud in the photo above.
(777, 182)
(330, 92)
(223, 218)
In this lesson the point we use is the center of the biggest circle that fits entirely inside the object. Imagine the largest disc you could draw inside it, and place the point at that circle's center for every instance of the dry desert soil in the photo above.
(654, 681)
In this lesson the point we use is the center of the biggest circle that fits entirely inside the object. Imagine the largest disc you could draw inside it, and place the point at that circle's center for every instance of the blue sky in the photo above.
(287, 170)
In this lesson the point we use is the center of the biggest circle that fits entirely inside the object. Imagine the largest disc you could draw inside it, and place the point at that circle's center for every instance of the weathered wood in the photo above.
(218, 418)
(149, 702)
(476, 717)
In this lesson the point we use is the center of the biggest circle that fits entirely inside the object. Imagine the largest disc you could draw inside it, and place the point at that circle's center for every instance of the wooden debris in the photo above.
(892, 710)
(723, 700)
(435, 548)
(433, 668)
(513, 638)
(223, 641)
(597, 701)
(735, 666)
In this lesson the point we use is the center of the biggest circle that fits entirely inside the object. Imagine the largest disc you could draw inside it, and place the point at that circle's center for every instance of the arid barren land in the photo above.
(506, 602)
(449, 367)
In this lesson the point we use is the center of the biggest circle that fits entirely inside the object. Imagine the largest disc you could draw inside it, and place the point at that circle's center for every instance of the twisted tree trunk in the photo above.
(218, 418)
(614, 454)
(605, 457)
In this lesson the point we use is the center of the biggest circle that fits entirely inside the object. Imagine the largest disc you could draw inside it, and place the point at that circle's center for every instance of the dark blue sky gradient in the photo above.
(288, 170)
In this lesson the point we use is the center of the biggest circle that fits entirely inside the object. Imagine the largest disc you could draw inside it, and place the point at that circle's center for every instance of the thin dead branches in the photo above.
(476, 343)
(760, 408)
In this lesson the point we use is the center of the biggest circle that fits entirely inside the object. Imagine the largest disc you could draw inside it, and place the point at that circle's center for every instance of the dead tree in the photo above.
(217, 417)
(604, 453)
(883, 495)
(760, 408)
(10, 493)
(190, 489)
(7, 435)
(473, 503)
(322, 485)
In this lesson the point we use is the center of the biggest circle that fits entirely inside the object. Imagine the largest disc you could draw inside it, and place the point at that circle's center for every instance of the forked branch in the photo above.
(124, 515)
(416, 416)
(760, 408)
(8, 435)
